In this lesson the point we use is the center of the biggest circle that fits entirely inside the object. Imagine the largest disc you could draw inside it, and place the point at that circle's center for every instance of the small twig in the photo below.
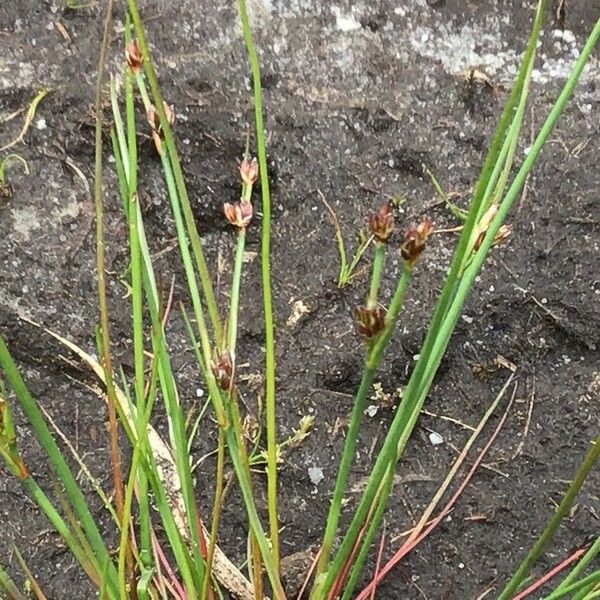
(28, 119)
(527, 422)
(308, 575)
(449, 419)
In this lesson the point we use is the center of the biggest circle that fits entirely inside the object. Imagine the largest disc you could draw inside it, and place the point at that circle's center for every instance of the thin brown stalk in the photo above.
(100, 267)
(378, 563)
(35, 587)
(457, 464)
(573, 557)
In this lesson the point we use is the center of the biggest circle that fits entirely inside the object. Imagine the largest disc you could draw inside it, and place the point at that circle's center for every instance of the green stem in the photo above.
(100, 269)
(205, 279)
(355, 259)
(235, 292)
(266, 287)
(584, 469)
(587, 584)
(581, 565)
(386, 488)
(88, 561)
(376, 275)
(358, 407)
(371, 363)
(42, 433)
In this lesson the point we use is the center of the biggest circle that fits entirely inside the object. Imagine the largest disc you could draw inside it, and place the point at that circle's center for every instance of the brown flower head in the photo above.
(238, 213)
(369, 321)
(415, 239)
(381, 223)
(249, 170)
(133, 56)
(501, 236)
(154, 121)
(484, 224)
(222, 369)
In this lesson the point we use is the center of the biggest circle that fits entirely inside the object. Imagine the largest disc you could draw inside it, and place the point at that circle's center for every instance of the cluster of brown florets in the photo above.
(240, 213)
(371, 320)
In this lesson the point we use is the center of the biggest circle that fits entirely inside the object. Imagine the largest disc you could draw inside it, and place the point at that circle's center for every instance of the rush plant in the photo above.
(166, 547)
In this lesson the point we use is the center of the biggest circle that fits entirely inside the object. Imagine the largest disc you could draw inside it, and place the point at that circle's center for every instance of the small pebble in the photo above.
(435, 438)
(316, 475)
(372, 410)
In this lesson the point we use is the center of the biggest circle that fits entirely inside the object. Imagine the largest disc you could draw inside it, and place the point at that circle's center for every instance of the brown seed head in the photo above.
(501, 236)
(249, 171)
(133, 56)
(238, 213)
(5, 190)
(154, 121)
(369, 321)
(222, 369)
(381, 223)
(415, 239)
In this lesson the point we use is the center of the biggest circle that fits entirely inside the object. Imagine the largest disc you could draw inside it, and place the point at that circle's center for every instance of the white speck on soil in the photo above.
(316, 475)
(435, 438)
(371, 410)
(345, 22)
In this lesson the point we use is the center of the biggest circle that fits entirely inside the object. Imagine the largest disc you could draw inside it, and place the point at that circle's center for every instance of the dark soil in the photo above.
(358, 96)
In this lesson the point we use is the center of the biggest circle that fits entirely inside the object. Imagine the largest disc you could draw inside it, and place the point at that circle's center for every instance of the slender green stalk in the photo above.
(86, 559)
(562, 510)
(376, 274)
(100, 269)
(586, 584)
(358, 407)
(366, 385)
(349, 272)
(581, 565)
(192, 230)
(8, 585)
(365, 544)
(266, 287)
(232, 326)
(42, 433)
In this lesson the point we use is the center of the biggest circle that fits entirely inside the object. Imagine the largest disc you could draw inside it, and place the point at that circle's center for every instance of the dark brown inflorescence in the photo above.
(238, 213)
(415, 239)
(222, 369)
(249, 171)
(381, 223)
(133, 56)
(369, 321)
(154, 121)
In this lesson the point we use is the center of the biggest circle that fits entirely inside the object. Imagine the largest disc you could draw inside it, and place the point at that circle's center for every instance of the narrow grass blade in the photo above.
(266, 288)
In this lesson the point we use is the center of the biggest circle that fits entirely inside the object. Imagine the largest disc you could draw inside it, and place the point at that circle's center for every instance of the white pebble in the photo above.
(435, 438)
(372, 410)
(316, 475)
